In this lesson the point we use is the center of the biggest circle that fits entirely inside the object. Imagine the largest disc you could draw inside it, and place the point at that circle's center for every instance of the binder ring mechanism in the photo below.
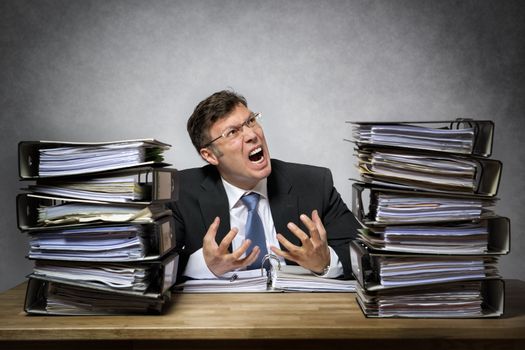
(269, 257)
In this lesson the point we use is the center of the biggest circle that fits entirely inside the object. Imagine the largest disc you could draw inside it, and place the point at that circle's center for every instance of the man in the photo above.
(303, 217)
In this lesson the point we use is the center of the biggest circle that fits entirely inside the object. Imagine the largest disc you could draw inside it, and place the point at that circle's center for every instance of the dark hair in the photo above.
(208, 111)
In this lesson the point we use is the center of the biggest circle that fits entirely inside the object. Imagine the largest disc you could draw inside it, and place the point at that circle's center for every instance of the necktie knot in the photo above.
(250, 200)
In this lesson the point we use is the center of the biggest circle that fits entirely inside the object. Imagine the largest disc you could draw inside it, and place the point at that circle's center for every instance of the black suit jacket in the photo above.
(293, 189)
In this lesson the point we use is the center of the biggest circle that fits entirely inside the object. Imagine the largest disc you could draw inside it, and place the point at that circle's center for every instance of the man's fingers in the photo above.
(282, 253)
(312, 227)
(250, 259)
(237, 253)
(286, 243)
(237, 263)
(212, 230)
(227, 240)
(319, 224)
(303, 237)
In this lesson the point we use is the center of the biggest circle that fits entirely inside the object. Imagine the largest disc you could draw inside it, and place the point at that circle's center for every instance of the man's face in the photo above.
(244, 160)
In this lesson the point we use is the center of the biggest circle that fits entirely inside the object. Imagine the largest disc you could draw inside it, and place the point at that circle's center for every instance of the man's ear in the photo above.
(209, 156)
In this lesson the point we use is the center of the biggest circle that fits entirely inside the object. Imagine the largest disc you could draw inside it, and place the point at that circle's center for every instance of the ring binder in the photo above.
(29, 156)
(479, 143)
(279, 278)
(141, 185)
(489, 236)
(480, 206)
(429, 172)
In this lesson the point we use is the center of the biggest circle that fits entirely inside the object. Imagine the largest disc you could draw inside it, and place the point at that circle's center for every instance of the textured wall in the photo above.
(107, 70)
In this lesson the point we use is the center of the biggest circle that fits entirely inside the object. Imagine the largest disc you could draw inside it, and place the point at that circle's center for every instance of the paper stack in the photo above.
(99, 230)
(430, 240)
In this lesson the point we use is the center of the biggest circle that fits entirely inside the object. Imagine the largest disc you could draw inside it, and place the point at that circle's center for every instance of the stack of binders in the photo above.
(100, 233)
(430, 240)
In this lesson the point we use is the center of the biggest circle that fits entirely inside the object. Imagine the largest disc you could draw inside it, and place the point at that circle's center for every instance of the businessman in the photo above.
(243, 205)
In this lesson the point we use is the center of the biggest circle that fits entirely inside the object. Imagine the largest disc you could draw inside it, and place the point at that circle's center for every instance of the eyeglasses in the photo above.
(235, 131)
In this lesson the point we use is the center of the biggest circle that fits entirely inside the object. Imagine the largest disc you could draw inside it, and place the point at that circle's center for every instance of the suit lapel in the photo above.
(213, 202)
(283, 203)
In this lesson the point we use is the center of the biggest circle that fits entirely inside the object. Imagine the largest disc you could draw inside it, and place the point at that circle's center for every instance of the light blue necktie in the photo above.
(254, 229)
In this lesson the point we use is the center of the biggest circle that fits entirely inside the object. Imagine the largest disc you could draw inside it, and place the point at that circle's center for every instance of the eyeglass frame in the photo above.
(237, 128)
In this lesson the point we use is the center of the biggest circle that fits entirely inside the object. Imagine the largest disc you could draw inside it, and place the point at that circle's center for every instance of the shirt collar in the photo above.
(235, 193)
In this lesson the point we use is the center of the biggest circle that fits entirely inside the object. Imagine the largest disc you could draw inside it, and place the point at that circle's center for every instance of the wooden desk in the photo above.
(256, 321)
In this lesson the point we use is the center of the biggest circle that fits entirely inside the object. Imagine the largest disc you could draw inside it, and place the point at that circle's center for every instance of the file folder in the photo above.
(415, 207)
(464, 136)
(429, 172)
(448, 300)
(375, 270)
(158, 276)
(30, 207)
(157, 239)
(142, 185)
(435, 240)
(29, 156)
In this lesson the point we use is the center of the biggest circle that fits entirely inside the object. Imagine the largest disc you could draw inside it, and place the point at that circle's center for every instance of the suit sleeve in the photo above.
(340, 224)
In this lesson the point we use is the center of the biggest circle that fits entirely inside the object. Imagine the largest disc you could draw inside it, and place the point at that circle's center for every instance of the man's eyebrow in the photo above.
(237, 124)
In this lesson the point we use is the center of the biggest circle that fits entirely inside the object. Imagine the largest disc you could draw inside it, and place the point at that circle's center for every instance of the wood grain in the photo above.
(264, 318)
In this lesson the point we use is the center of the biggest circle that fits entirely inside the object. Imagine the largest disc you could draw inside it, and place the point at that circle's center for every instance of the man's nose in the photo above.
(248, 133)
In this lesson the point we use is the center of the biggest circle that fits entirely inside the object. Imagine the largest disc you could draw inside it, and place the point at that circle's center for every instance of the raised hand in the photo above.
(217, 256)
(313, 254)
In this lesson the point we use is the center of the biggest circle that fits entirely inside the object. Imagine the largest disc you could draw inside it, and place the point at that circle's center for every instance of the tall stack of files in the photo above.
(430, 240)
(100, 233)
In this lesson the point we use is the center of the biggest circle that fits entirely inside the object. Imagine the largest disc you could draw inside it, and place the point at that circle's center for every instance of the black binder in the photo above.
(482, 138)
(492, 292)
(161, 275)
(29, 155)
(497, 243)
(485, 181)
(366, 267)
(156, 185)
(364, 204)
(29, 204)
(159, 239)
(85, 301)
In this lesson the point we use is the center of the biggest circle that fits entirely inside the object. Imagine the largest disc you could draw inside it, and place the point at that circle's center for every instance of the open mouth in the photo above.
(256, 155)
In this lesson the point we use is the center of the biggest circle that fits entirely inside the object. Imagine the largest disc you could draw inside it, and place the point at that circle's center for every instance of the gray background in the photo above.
(110, 70)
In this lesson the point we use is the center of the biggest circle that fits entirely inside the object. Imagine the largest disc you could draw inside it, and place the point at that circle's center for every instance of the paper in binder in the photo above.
(387, 206)
(431, 172)
(45, 297)
(149, 279)
(36, 212)
(104, 243)
(137, 185)
(58, 158)
(486, 236)
(383, 270)
(462, 136)
(464, 299)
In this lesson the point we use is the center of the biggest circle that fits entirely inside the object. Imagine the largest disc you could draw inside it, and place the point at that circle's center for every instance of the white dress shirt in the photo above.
(197, 267)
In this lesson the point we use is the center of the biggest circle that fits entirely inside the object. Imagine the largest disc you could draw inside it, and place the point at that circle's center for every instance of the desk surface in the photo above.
(270, 316)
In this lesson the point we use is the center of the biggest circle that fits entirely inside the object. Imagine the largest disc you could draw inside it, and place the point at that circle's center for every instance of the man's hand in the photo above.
(314, 253)
(217, 256)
